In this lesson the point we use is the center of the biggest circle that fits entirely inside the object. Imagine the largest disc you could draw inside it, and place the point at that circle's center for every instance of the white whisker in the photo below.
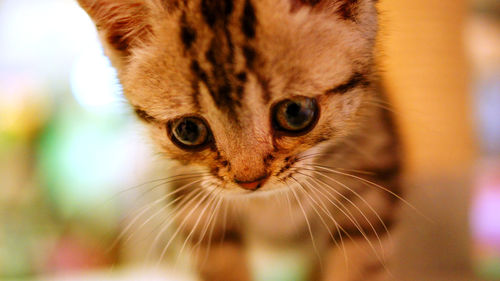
(328, 214)
(177, 212)
(214, 218)
(201, 215)
(146, 208)
(359, 210)
(350, 216)
(377, 186)
(181, 226)
(307, 222)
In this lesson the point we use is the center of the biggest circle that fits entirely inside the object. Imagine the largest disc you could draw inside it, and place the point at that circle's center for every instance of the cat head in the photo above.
(244, 87)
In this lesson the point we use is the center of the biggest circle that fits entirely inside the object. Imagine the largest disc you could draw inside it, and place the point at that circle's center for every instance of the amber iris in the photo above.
(190, 132)
(296, 114)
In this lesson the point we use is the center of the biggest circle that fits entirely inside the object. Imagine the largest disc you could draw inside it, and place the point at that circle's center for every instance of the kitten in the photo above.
(276, 103)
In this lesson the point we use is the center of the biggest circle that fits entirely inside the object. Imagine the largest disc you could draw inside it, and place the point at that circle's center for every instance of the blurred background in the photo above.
(74, 163)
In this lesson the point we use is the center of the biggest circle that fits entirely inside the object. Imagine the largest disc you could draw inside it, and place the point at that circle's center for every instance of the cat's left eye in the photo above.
(295, 115)
(189, 132)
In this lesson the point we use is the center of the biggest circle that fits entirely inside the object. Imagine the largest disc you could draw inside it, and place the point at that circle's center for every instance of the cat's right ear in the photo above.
(122, 24)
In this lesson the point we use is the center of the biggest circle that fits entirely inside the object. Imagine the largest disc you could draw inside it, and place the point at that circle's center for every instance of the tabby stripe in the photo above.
(250, 55)
(348, 9)
(356, 80)
(297, 4)
(144, 116)
(223, 88)
(264, 84)
(171, 5)
(248, 20)
(388, 176)
(242, 79)
(198, 72)
(214, 11)
(220, 55)
(187, 33)
(305, 2)
(199, 75)
(388, 173)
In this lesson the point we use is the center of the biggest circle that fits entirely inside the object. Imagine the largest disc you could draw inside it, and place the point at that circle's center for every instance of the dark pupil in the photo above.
(296, 115)
(188, 131)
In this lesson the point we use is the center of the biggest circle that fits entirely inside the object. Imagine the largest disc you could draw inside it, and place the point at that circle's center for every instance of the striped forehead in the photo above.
(215, 67)
(234, 28)
(220, 56)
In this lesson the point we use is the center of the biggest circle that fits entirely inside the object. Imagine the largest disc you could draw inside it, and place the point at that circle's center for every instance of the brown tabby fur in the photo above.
(229, 62)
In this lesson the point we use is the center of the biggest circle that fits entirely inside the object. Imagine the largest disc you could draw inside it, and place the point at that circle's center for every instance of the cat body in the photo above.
(273, 107)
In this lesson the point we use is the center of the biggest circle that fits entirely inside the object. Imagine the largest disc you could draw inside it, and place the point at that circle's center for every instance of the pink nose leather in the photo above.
(254, 185)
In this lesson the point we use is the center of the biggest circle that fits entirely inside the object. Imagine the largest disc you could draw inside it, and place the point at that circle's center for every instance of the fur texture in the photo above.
(230, 63)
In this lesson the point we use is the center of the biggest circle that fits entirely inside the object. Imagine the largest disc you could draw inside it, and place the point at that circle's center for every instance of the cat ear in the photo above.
(122, 24)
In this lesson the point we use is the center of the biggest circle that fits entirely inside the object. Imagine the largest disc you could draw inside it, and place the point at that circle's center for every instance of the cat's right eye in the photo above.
(189, 132)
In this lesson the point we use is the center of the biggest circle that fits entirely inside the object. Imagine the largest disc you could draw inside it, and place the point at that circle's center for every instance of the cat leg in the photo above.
(359, 259)
(217, 247)
(222, 261)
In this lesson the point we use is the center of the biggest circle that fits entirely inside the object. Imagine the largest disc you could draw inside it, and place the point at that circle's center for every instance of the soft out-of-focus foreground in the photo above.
(75, 165)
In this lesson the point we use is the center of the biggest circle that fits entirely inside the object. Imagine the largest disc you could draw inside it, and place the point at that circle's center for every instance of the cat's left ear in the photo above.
(122, 24)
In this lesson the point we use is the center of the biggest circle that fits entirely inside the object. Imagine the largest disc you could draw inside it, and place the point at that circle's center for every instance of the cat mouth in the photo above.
(282, 178)
(264, 186)
(254, 184)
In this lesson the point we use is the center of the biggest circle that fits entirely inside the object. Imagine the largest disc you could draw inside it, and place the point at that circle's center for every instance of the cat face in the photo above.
(244, 87)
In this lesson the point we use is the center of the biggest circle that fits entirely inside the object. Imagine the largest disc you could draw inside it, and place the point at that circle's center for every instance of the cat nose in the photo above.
(252, 185)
